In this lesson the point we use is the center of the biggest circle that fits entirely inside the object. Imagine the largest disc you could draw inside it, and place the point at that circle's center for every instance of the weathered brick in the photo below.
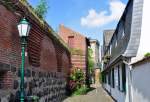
(78, 42)
(46, 54)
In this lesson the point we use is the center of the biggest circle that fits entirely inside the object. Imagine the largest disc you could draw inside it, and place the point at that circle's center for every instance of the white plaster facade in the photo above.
(118, 94)
(141, 82)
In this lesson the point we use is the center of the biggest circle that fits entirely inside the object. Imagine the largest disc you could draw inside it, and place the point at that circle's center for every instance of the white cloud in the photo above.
(98, 19)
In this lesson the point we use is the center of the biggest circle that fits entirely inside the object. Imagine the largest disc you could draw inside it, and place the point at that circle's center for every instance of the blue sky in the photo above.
(89, 17)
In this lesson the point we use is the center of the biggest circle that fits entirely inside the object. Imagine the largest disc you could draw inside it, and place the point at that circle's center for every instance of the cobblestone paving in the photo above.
(96, 95)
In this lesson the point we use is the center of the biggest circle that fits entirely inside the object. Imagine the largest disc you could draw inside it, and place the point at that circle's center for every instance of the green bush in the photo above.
(147, 54)
(76, 79)
(80, 91)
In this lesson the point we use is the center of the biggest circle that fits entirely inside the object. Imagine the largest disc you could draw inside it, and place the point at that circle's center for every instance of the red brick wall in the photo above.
(9, 46)
(65, 63)
(79, 42)
(9, 39)
(78, 61)
(35, 44)
(48, 58)
(44, 52)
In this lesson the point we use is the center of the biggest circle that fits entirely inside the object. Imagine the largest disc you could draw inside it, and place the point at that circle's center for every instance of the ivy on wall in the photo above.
(90, 60)
(75, 51)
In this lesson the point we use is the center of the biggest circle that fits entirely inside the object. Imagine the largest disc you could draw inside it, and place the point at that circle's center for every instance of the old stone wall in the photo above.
(48, 86)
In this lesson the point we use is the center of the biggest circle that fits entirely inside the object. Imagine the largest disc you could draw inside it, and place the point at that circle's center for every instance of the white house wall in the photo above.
(107, 87)
(117, 95)
(141, 83)
(115, 92)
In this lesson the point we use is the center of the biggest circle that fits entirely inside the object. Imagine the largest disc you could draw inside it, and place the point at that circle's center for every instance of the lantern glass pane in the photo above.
(19, 29)
(24, 29)
(28, 30)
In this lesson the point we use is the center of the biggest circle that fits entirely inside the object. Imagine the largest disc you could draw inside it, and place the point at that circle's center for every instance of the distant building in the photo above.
(78, 45)
(95, 48)
(107, 35)
(128, 44)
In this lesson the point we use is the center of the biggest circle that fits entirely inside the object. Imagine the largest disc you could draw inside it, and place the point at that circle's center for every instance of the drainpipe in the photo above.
(130, 83)
(130, 80)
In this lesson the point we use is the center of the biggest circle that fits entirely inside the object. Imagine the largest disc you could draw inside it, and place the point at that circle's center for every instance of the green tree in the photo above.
(90, 67)
(41, 9)
(90, 60)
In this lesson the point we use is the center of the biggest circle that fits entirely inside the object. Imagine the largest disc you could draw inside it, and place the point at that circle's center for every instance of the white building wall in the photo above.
(115, 92)
(107, 87)
(118, 95)
(138, 80)
(144, 46)
(141, 83)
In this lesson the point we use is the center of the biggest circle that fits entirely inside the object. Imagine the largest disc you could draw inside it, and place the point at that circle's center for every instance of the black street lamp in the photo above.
(23, 28)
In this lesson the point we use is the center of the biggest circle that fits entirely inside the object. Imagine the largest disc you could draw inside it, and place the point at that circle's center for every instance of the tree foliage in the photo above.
(41, 8)
(90, 60)
(147, 54)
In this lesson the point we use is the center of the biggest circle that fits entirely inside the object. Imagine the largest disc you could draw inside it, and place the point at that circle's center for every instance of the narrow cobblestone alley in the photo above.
(96, 95)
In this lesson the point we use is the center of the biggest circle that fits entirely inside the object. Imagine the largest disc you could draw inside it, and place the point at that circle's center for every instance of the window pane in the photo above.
(123, 77)
(118, 77)
(113, 83)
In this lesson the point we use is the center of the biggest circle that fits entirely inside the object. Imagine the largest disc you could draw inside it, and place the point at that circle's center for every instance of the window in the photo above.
(110, 49)
(123, 33)
(123, 77)
(71, 41)
(118, 77)
(109, 78)
(116, 43)
(108, 52)
(104, 78)
(112, 76)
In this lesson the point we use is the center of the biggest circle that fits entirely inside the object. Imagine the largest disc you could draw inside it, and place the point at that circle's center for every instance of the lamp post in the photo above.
(23, 28)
